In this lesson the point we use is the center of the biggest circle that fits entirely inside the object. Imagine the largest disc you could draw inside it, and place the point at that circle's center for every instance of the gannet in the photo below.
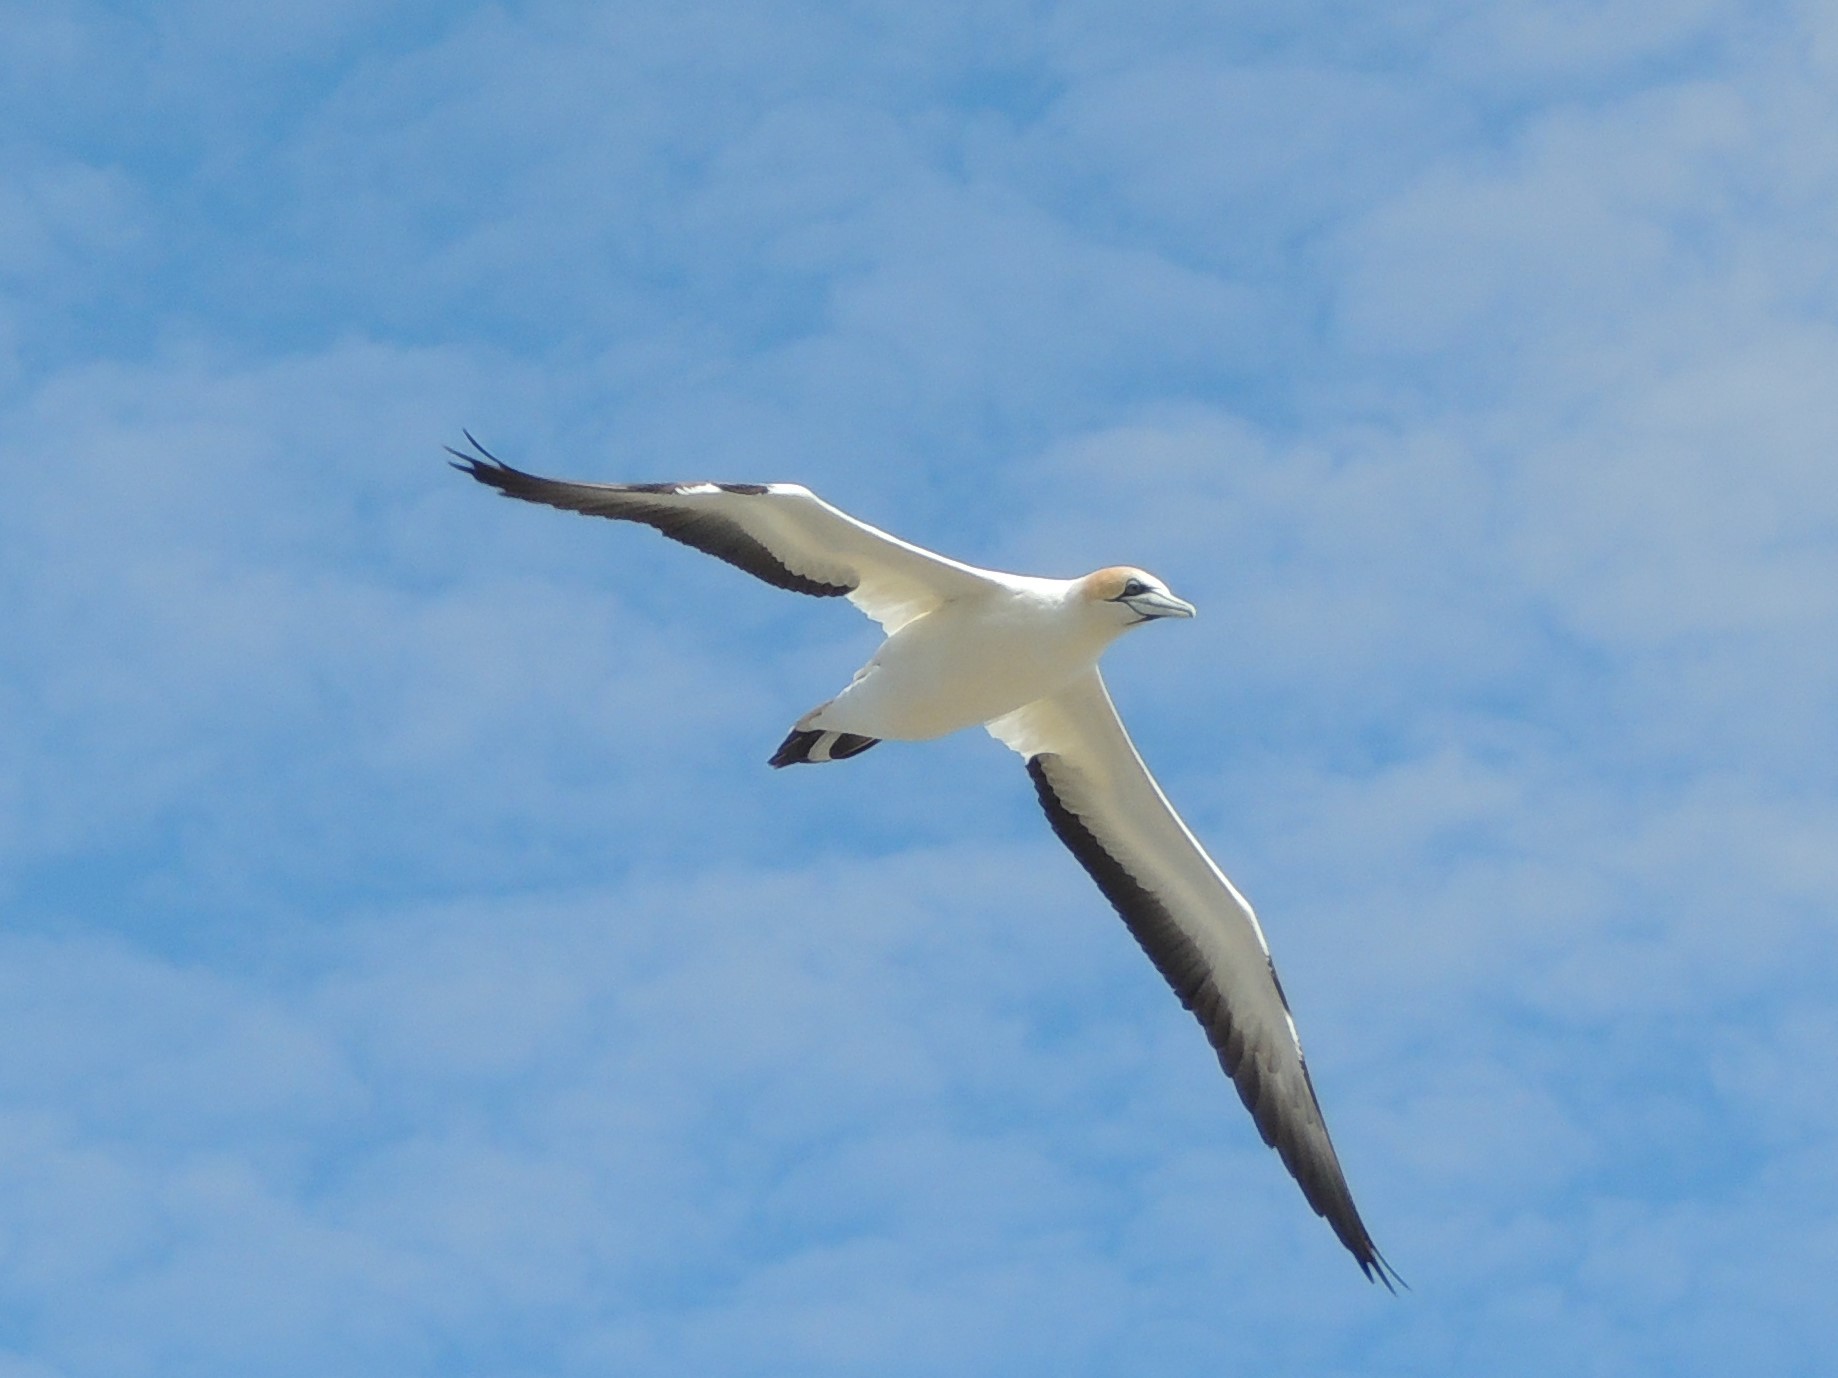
(1017, 655)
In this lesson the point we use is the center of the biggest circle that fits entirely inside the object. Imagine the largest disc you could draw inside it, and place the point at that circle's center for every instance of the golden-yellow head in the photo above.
(1134, 591)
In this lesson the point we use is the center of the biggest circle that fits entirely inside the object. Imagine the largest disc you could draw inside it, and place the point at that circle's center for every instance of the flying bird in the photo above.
(1018, 655)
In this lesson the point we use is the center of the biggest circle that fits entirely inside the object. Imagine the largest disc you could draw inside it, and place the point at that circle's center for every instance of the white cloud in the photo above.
(418, 970)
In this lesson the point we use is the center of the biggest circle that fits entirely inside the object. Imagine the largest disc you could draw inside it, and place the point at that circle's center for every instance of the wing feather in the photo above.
(1194, 925)
(779, 532)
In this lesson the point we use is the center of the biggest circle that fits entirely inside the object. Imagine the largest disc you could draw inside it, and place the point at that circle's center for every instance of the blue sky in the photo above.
(410, 965)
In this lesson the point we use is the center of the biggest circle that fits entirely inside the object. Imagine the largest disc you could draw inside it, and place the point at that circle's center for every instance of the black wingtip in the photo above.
(483, 465)
(473, 441)
(470, 462)
(1377, 1269)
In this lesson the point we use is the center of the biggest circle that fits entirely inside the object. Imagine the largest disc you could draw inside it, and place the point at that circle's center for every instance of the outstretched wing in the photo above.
(780, 532)
(1195, 926)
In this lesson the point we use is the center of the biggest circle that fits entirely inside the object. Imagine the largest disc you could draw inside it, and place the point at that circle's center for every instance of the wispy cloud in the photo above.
(413, 967)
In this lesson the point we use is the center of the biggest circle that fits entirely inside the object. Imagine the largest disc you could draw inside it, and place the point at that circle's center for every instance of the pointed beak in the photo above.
(1153, 604)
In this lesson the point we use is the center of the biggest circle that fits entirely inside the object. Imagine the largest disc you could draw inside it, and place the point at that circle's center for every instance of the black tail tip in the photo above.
(794, 750)
(814, 746)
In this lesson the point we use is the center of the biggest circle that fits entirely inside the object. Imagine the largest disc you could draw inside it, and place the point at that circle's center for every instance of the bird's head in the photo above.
(1130, 597)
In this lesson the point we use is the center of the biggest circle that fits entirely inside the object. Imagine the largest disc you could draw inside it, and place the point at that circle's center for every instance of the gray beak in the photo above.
(1154, 604)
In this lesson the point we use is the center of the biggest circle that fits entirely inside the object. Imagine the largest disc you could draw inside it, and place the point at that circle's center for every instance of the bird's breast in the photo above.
(960, 666)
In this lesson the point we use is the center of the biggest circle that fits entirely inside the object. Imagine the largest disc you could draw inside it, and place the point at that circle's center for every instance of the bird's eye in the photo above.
(1134, 587)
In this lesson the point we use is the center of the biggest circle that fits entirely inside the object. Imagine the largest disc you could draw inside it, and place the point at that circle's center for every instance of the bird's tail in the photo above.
(813, 746)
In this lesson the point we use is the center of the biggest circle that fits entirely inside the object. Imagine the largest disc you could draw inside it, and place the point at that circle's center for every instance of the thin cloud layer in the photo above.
(412, 967)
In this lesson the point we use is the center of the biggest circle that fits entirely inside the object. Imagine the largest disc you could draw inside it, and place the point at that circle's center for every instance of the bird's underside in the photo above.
(1012, 654)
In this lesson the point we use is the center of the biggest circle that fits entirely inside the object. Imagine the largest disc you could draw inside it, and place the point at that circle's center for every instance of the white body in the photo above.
(970, 661)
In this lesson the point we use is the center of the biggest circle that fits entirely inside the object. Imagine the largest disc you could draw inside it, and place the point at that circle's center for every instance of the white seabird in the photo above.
(1018, 655)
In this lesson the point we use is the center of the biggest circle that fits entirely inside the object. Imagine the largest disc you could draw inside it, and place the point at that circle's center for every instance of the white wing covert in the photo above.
(779, 532)
(1193, 924)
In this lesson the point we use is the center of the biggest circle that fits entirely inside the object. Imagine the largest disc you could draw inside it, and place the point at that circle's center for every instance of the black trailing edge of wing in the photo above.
(1185, 968)
(647, 503)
